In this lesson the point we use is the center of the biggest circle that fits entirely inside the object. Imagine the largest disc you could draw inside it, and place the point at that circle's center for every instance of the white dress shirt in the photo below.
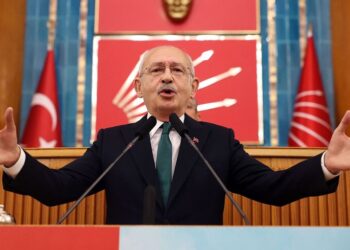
(175, 139)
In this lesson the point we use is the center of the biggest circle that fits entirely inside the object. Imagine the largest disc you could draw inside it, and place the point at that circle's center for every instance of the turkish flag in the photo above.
(43, 127)
(310, 125)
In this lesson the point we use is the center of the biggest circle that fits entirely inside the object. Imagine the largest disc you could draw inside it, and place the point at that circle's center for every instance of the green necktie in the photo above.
(163, 163)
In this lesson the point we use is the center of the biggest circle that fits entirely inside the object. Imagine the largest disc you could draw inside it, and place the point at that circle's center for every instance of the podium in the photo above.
(172, 237)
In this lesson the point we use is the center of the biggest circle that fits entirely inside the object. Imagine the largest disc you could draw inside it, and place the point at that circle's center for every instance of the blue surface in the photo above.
(282, 238)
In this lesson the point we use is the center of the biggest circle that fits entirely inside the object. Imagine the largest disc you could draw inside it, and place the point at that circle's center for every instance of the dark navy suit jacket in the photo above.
(195, 196)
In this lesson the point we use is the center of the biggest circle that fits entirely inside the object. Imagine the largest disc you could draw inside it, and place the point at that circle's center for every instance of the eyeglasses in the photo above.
(158, 69)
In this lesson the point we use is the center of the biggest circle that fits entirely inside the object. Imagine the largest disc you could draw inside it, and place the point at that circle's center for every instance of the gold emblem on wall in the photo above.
(177, 10)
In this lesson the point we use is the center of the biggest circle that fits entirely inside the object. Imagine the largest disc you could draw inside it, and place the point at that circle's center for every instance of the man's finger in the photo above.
(345, 122)
(10, 122)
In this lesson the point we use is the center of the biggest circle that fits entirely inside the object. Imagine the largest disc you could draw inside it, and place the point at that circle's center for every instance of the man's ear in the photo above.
(194, 84)
(137, 87)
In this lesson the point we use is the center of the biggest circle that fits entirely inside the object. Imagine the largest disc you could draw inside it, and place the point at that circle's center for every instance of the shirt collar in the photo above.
(160, 123)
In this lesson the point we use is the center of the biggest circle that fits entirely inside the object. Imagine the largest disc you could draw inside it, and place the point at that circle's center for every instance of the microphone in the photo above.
(149, 205)
(150, 123)
(183, 132)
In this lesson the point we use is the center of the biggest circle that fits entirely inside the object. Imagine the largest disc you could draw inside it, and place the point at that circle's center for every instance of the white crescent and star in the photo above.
(42, 100)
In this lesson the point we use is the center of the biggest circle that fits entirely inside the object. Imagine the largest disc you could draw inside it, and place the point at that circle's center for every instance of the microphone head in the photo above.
(177, 124)
(146, 128)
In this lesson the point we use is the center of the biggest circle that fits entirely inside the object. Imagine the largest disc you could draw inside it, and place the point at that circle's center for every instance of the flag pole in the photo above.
(309, 30)
(51, 25)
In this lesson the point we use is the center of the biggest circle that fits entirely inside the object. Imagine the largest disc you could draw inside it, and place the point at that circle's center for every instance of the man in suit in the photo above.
(192, 109)
(166, 81)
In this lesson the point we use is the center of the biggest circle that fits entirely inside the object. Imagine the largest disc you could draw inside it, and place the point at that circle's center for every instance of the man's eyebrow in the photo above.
(157, 63)
(163, 63)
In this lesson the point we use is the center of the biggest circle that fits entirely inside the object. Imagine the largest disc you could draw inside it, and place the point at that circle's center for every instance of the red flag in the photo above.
(43, 128)
(310, 125)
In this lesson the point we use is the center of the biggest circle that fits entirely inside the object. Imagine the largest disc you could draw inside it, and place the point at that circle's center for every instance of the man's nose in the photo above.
(167, 76)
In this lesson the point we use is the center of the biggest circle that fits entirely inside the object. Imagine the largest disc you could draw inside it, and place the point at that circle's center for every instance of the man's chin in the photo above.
(168, 109)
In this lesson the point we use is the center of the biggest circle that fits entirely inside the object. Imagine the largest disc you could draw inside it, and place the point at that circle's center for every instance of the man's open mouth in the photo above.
(167, 92)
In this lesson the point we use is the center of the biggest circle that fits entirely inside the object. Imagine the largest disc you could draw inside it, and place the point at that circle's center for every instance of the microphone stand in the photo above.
(183, 132)
(139, 135)
(227, 192)
(77, 202)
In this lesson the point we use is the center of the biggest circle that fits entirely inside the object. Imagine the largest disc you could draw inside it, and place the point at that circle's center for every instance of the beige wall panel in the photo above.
(340, 26)
(12, 26)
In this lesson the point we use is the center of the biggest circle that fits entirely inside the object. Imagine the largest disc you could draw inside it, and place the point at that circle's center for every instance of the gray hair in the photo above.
(147, 52)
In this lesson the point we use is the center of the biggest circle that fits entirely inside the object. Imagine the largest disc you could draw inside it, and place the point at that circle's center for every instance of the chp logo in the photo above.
(228, 92)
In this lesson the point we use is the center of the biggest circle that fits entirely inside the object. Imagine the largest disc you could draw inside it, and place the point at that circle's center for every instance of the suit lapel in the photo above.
(143, 157)
(187, 156)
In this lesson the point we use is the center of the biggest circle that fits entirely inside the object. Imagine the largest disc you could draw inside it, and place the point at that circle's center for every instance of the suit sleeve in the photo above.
(57, 186)
(257, 181)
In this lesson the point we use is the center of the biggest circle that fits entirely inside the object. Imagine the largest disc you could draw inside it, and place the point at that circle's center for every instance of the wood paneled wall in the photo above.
(333, 209)
(340, 27)
(12, 26)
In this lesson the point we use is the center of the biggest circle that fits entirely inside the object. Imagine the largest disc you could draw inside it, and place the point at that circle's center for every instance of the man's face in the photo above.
(166, 82)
